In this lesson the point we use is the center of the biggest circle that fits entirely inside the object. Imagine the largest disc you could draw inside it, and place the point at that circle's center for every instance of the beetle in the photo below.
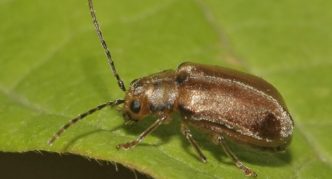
(224, 103)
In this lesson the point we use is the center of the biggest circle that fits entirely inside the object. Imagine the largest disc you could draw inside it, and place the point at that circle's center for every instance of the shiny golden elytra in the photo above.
(221, 102)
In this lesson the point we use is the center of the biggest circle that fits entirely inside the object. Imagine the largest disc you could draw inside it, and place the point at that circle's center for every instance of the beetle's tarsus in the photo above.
(49, 143)
(249, 172)
(127, 146)
(246, 170)
(204, 160)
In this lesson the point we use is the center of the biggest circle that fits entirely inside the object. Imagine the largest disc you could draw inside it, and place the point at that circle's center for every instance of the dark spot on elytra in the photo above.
(269, 127)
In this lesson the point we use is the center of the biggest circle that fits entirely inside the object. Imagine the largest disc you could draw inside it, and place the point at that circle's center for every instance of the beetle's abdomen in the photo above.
(233, 107)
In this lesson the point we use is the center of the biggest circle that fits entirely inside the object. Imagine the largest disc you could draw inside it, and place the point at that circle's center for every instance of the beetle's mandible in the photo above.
(224, 103)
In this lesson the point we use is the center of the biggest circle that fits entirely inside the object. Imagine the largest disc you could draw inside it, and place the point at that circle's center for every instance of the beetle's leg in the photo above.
(247, 171)
(150, 129)
(187, 133)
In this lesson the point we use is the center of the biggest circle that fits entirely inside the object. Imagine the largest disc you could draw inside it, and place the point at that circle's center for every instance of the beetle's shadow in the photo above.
(244, 153)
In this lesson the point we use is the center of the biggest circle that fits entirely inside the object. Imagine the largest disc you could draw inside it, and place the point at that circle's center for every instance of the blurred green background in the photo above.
(52, 68)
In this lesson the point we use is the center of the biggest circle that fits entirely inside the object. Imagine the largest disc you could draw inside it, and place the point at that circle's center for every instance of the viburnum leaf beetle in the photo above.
(224, 103)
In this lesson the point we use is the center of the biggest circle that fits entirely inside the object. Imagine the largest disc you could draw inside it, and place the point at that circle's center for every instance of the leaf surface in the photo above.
(53, 68)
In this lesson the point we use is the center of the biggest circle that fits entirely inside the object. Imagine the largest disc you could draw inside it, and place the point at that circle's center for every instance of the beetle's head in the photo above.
(136, 104)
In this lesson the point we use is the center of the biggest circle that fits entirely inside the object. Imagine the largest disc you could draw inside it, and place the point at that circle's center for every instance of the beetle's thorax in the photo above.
(155, 94)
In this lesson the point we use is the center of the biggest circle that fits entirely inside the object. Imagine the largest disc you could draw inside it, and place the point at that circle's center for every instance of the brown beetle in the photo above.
(224, 103)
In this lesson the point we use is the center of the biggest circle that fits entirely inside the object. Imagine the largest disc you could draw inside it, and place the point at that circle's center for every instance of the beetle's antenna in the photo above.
(82, 116)
(103, 43)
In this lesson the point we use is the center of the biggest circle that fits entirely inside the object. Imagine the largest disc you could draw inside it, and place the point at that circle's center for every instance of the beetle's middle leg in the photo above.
(150, 129)
(247, 171)
(187, 133)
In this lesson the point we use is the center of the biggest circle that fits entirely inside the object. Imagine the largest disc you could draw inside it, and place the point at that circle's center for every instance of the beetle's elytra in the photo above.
(224, 103)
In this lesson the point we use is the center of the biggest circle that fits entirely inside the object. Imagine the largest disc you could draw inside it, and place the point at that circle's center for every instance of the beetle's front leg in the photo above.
(150, 129)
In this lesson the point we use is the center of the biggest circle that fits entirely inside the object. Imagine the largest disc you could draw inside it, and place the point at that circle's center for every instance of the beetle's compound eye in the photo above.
(135, 106)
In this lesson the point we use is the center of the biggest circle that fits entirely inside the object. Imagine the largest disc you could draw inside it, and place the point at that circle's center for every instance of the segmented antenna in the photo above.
(103, 43)
(82, 116)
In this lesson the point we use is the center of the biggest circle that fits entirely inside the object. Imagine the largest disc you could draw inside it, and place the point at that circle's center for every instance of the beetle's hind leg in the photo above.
(247, 171)
(187, 133)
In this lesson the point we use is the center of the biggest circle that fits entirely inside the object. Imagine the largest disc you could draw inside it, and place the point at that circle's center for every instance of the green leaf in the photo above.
(52, 68)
